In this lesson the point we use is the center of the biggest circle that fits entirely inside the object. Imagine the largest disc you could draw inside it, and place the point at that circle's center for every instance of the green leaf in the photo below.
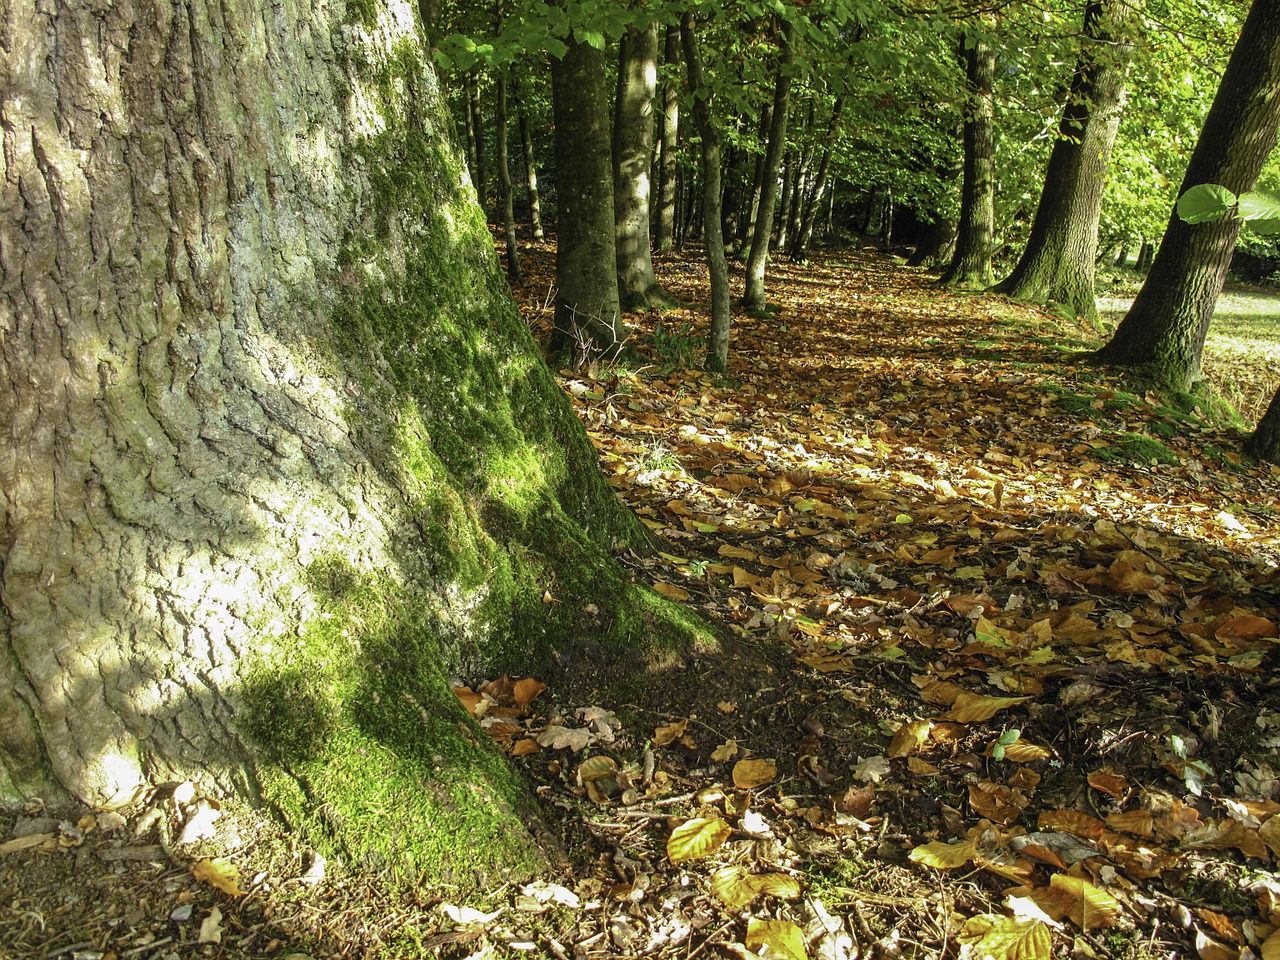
(1256, 205)
(593, 38)
(1205, 202)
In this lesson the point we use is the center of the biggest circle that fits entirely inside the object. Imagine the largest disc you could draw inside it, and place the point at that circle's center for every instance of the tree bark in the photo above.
(1265, 441)
(813, 196)
(1165, 329)
(264, 493)
(481, 169)
(970, 267)
(753, 295)
(504, 170)
(530, 163)
(1058, 264)
(718, 342)
(669, 143)
(587, 320)
(632, 153)
(757, 181)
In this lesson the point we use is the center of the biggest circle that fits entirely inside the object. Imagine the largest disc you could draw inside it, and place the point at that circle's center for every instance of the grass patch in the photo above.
(1138, 448)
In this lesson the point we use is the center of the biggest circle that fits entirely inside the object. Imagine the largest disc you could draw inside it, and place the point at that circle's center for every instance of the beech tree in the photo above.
(280, 457)
(970, 266)
(1165, 329)
(1057, 264)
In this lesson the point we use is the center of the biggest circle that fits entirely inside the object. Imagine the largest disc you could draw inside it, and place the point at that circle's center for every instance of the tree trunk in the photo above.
(632, 152)
(264, 494)
(668, 145)
(481, 169)
(970, 267)
(587, 321)
(530, 162)
(718, 342)
(935, 247)
(1146, 255)
(1058, 264)
(813, 197)
(1165, 329)
(468, 125)
(757, 181)
(504, 171)
(753, 298)
(1265, 441)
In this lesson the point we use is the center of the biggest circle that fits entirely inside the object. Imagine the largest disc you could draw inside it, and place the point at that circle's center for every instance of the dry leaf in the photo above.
(697, 838)
(671, 591)
(1139, 822)
(784, 939)
(219, 873)
(211, 927)
(908, 737)
(1091, 907)
(526, 691)
(1209, 949)
(1110, 784)
(726, 751)
(25, 843)
(732, 887)
(972, 708)
(780, 885)
(921, 768)
(556, 737)
(1007, 938)
(523, 748)
(944, 856)
(748, 774)
(669, 733)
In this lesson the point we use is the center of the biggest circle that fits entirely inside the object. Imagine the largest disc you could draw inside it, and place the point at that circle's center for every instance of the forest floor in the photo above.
(999, 672)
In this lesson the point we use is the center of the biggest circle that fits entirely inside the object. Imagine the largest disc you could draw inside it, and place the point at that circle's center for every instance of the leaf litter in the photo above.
(997, 680)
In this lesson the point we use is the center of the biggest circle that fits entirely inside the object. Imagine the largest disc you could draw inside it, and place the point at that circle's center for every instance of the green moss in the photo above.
(1138, 448)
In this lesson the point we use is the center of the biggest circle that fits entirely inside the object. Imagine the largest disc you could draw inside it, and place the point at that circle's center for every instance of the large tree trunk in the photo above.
(669, 141)
(279, 456)
(1165, 329)
(587, 320)
(1265, 442)
(632, 154)
(718, 342)
(1059, 261)
(753, 298)
(970, 267)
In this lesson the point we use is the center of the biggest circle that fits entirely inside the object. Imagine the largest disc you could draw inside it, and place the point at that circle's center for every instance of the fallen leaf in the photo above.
(726, 751)
(669, 733)
(748, 774)
(783, 939)
(944, 856)
(732, 887)
(556, 737)
(526, 691)
(972, 708)
(221, 874)
(697, 838)
(671, 591)
(1007, 938)
(211, 927)
(908, 737)
(1090, 907)
(25, 843)
(871, 769)
(1110, 784)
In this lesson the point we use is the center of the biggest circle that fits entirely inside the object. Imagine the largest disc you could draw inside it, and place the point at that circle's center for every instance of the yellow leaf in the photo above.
(944, 856)
(1007, 938)
(671, 591)
(779, 885)
(972, 708)
(732, 887)
(1091, 907)
(726, 751)
(669, 733)
(921, 768)
(697, 838)
(783, 938)
(908, 737)
(1139, 822)
(1271, 947)
(753, 773)
(1023, 752)
(737, 553)
(221, 874)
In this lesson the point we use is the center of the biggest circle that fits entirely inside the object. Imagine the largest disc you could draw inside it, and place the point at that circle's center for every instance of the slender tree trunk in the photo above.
(468, 124)
(632, 152)
(753, 296)
(813, 197)
(789, 220)
(757, 180)
(1059, 261)
(668, 142)
(718, 342)
(587, 320)
(1165, 329)
(971, 263)
(264, 494)
(481, 169)
(1146, 256)
(935, 245)
(530, 162)
(504, 177)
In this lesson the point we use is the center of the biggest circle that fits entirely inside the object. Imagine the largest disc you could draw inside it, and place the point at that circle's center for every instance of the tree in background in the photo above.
(1165, 329)
(1057, 264)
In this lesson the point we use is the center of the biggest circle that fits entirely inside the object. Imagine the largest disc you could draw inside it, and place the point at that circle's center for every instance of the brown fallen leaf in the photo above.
(748, 774)
(973, 708)
(908, 737)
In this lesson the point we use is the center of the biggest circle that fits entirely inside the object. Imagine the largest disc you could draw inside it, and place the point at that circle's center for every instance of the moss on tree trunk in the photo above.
(283, 459)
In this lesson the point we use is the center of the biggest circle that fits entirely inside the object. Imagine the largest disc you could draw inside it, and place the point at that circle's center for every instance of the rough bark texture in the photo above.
(588, 320)
(936, 244)
(753, 297)
(505, 198)
(718, 343)
(632, 154)
(1265, 442)
(1058, 263)
(971, 263)
(280, 456)
(665, 219)
(1165, 329)
(480, 172)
